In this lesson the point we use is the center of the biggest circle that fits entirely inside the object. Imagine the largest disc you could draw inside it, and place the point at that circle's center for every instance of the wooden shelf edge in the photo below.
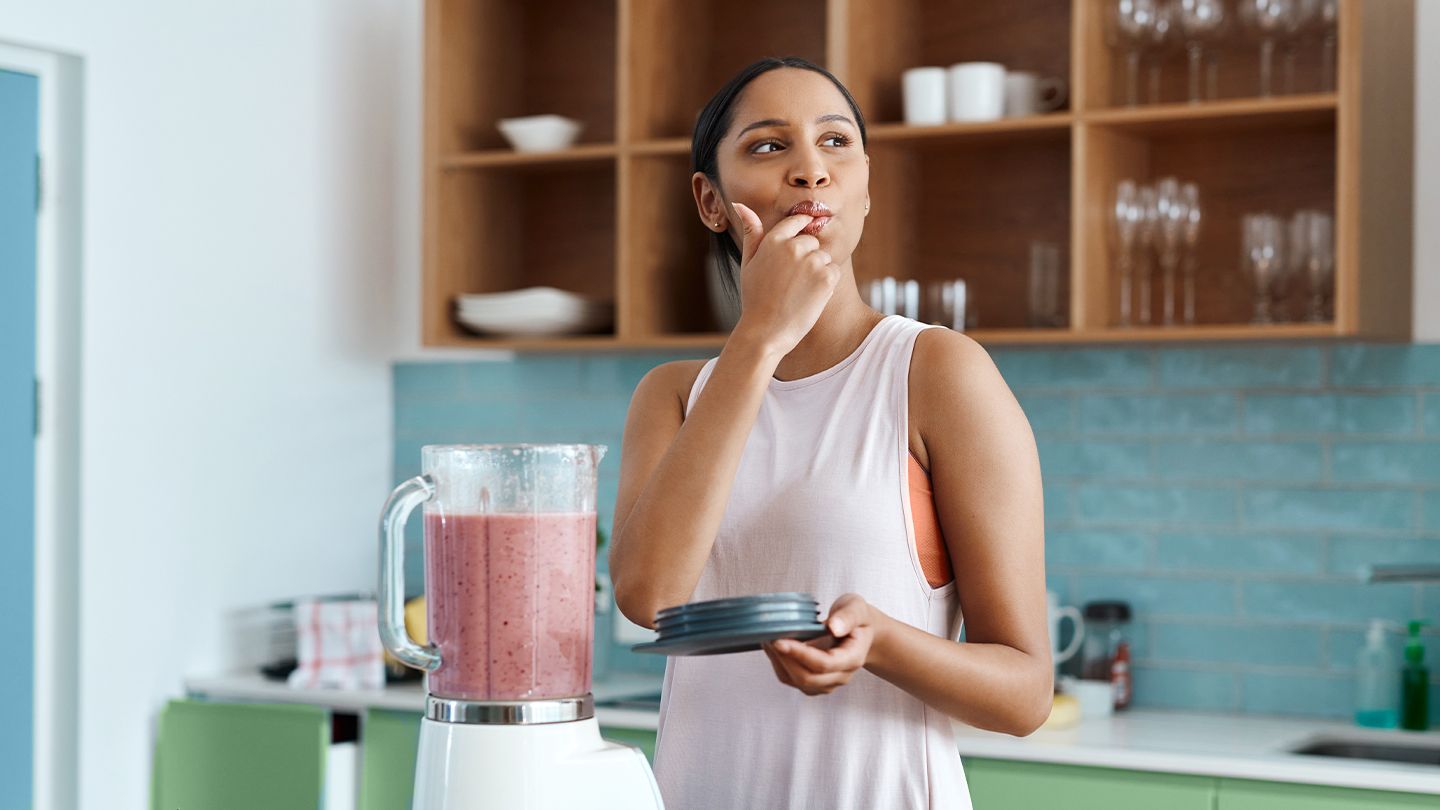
(659, 146)
(1028, 125)
(597, 152)
(1302, 107)
(986, 337)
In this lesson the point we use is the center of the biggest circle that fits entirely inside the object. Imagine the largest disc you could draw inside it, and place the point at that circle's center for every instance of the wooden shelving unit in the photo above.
(613, 216)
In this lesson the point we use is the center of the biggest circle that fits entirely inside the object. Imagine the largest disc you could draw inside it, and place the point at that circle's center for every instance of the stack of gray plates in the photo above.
(734, 625)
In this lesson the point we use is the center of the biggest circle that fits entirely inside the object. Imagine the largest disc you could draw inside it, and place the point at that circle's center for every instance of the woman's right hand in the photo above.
(785, 281)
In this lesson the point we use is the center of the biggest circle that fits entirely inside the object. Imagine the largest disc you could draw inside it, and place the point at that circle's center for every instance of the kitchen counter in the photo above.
(1229, 745)
(253, 687)
(1223, 745)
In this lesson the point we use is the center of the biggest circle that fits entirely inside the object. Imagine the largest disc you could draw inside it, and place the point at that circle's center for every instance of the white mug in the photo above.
(1055, 614)
(977, 91)
(1028, 94)
(924, 92)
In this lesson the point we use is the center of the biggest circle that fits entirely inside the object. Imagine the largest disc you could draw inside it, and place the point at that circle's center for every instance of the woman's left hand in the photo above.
(822, 665)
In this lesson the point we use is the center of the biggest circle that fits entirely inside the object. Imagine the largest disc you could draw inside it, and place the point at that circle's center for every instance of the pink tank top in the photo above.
(820, 504)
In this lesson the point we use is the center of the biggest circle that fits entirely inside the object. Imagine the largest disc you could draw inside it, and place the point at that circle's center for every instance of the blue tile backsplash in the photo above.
(1230, 494)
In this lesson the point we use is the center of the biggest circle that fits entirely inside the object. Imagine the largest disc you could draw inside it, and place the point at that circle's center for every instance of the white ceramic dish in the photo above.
(540, 133)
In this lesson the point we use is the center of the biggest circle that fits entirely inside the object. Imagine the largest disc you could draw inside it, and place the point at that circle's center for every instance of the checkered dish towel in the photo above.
(338, 645)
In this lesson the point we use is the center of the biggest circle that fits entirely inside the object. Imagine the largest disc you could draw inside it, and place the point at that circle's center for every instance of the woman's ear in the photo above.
(709, 203)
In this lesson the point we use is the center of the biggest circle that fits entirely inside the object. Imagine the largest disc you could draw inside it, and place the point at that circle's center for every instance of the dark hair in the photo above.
(715, 121)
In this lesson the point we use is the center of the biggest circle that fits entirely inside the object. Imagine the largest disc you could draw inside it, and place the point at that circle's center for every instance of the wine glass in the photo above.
(1200, 21)
(1171, 219)
(1264, 249)
(1126, 219)
(1190, 194)
(1303, 15)
(1129, 24)
(1329, 19)
(1266, 20)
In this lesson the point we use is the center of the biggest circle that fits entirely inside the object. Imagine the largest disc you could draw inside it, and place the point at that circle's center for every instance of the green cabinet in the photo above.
(1244, 794)
(222, 756)
(641, 738)
(389, 741)
(1007, 785)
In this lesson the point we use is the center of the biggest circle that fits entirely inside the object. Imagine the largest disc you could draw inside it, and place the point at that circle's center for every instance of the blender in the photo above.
(509, 577)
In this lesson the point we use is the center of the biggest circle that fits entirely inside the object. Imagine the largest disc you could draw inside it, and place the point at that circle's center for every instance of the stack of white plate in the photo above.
(533, 312)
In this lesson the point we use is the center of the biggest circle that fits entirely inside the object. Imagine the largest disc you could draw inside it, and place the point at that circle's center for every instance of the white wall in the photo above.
(251, 199)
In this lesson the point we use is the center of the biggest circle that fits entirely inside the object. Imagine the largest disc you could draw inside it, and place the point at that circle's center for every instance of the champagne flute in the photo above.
(1190, 194)
(1126, 220)
(1319, 235)
(1149, 239)
(1264, 245)
(1171, 218)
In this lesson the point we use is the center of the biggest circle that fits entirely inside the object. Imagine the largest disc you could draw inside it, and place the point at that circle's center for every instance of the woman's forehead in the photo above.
(792, 95)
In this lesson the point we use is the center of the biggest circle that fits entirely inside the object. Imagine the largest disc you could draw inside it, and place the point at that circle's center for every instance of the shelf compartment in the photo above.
(680, 53)
(1278, 168)
(509, 227)
(492, 59)
(664, 249)
(943, 210)
(883, 40)
(1238, 65)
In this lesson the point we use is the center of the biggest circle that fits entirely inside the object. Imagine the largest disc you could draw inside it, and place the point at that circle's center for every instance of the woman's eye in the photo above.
(843, 141)
(759, 147)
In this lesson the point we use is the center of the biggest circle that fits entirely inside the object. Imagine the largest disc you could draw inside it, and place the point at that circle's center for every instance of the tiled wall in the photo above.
(1229, 494)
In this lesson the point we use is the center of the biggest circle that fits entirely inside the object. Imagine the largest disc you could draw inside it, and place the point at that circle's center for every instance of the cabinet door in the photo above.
(232, 756)
(1006, 785)
(388, 744)
(1240, 794)
(641, 738)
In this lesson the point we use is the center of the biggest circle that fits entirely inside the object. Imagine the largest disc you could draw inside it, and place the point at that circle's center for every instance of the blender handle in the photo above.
(401, 502)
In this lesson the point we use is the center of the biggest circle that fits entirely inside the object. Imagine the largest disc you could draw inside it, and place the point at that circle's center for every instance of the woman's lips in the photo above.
(820, 212)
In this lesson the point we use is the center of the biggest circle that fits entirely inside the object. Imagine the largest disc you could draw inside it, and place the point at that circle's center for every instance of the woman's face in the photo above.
(792, 143)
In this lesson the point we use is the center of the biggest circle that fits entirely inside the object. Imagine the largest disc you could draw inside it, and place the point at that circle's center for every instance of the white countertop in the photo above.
(1225, 745)
(252, 686)
(1230, 745)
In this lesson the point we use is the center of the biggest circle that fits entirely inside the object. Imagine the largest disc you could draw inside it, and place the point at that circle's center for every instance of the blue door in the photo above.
(19, 146)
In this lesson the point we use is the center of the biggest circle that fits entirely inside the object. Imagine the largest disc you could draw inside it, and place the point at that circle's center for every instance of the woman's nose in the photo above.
(809, 173)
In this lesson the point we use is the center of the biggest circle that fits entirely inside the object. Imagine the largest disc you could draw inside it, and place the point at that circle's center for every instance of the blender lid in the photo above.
(737, 602)
(675, 622)
(731, 641)
(736, 625)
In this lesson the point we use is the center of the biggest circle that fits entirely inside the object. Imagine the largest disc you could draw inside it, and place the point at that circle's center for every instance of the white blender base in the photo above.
(549, 766)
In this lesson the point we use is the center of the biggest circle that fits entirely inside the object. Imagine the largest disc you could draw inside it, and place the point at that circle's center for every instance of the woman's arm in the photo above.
(986, 479)
(676, 472)
(985, 473)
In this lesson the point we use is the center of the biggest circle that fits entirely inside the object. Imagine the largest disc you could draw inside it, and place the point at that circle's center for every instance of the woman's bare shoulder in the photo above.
(954, 383)
(668, 382)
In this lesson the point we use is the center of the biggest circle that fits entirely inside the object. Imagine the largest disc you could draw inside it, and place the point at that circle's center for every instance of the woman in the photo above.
(802, 459)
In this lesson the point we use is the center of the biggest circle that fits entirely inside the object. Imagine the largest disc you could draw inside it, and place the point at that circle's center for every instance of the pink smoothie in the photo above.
(511, 604)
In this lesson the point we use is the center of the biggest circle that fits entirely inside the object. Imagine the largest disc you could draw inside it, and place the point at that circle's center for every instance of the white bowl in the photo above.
(539, 133)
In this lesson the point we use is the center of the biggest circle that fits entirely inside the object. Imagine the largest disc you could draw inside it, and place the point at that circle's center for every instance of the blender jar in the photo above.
(509, 570)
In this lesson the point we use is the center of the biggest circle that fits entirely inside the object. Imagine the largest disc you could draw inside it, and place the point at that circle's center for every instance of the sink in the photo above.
(1410, 753)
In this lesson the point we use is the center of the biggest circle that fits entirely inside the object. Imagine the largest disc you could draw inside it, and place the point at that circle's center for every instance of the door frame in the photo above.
(59, 251)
